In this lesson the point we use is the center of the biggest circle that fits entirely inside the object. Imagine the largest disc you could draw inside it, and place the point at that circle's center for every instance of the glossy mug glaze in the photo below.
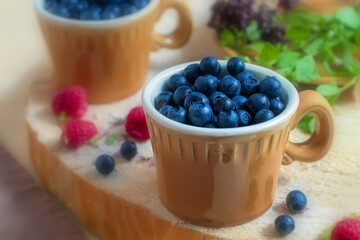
(109, 58)
(224, 177)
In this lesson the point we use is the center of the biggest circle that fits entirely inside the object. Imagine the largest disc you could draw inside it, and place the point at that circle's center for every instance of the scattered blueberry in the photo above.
(228, 119)
(193, 98)
(244, 75)
(235, 66)
(165, 110)
(230, 86)
(263, 115)
(176, 81)
(128, 150)
(206, 84)
(192, 72)
(257, 102)
(284, 224)
(111, 12)
(271, 87)
(240, 102)
(276, 106)
(223, 103)
(296, 201)
(249, 86)
(210, 65)
(200, 114)
(214, 96)
(177, 114)
(105, 164)
(180, 95)
(164, 98)
(244, 117)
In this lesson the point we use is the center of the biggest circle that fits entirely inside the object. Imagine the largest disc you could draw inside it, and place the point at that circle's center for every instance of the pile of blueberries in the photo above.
(198, 97)
(94, 10)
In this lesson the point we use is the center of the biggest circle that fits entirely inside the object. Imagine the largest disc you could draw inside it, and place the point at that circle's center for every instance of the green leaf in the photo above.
(110, 139)
(227, 37)
(348, 58)
(327, 90)
(288, 59)
(307, 123)
(63, 117)
(257, 46)
(269, 54)
(327, 67)
(252, 31)
(348, 16)
(306, 69)
(357, 37)
(314, 47)
(298, 33)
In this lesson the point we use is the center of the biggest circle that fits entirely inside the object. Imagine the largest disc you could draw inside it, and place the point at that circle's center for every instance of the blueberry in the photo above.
(139, 3)
(257, 102)
(180, 95)
(296, 201)
(206, 84)
(284, 224)
(177, 114)
(240, 102)
(235, 66)
(165, 110)
(192, 72)
(93, 13)
(228, 119)
(200, 114)
(210, 65)
(263, 115)
(276, 106)
(164, 98)
(244, 75)
(193, 98)
(176, 81)
(249, 86)
(128, 9)
(214, 96)
(230, 86)
(107, 2)
(111, 11)
(210, 125)
(105, 164)
(244, 117)
(76, 7)
(271, 87)
(215, 119)
(59, 10)
(223, 103)
(128, 150)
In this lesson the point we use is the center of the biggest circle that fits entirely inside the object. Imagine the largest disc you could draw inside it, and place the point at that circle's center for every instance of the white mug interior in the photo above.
(289, 96)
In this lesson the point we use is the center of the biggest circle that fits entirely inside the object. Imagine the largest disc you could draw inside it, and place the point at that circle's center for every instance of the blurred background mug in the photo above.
(109, 58)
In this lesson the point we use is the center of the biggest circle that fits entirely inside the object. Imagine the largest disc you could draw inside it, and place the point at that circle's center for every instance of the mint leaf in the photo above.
(227, 37)
(357, 37)
(257, 46)
(327, 90)
(269, 54)
(288, 59)
(307, 123)
(110, 139)
(348, 16)
(298, 33)
(306, 69)
(252, 31)
(314, 47)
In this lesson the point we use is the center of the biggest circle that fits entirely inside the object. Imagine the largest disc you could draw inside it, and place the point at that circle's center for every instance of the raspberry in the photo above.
(78, 132)
(348, 229)
(136, 124)
(72, 101)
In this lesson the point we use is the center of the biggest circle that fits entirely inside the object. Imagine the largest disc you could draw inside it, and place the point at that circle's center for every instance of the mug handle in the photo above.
(183, 31)
(320, 142)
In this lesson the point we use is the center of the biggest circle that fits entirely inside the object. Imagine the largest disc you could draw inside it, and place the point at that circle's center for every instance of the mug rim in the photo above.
(282, 118)
(120, 21)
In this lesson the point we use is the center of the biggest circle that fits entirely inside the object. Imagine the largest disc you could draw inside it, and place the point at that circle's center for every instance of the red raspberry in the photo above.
(72, 101)
(136, 124)
(348, 229)
(78, 132)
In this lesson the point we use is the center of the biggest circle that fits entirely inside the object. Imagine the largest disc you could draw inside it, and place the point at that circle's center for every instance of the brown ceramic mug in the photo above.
(224, 177)
(109, 58)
